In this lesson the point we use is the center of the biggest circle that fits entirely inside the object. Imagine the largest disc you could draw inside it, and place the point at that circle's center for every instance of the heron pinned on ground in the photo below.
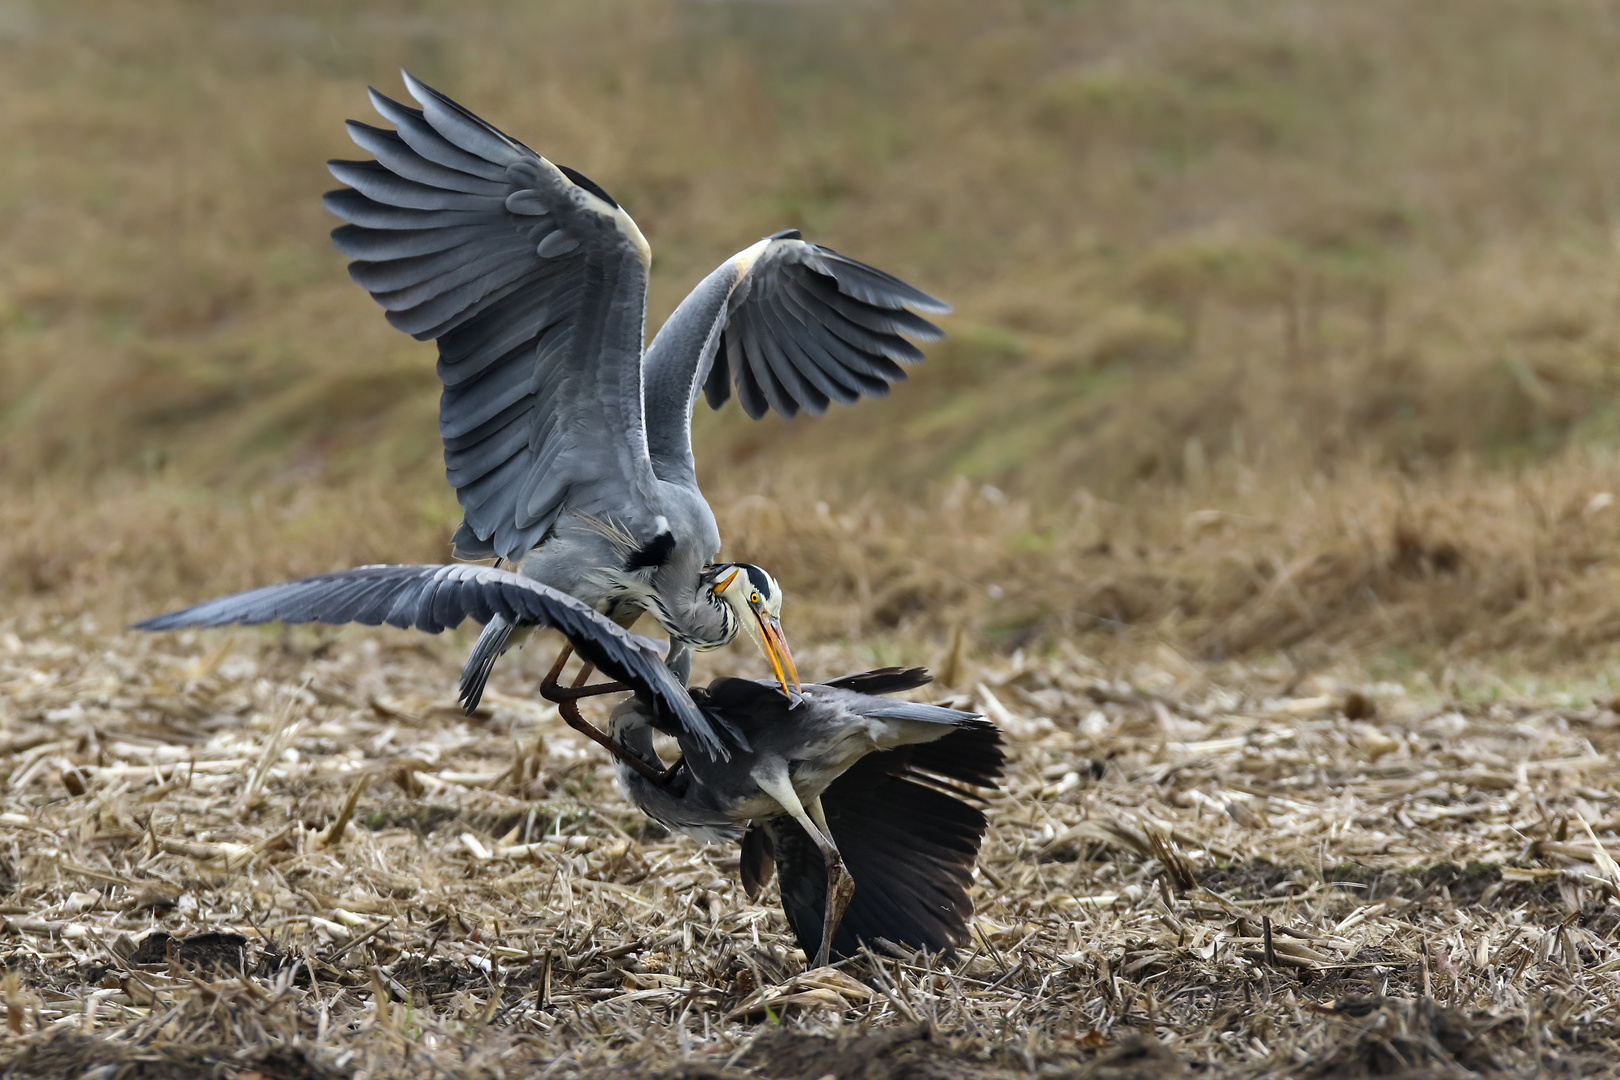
(568, 446)
(863, 805)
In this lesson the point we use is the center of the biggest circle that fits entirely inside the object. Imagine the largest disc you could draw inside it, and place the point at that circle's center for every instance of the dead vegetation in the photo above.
(287, 854)
(1427, 577)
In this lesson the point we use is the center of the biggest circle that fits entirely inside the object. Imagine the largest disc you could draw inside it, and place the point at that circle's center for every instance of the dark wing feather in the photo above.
(793, 325)
(973, 755)
(909, 846)
(796, 291)
(435, 598)
(889, 680)
(533, 282)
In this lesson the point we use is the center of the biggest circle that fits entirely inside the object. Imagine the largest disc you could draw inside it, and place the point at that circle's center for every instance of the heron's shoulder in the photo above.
(750, 708)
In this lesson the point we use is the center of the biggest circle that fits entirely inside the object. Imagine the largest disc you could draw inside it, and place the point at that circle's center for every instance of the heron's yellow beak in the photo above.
(776, 651)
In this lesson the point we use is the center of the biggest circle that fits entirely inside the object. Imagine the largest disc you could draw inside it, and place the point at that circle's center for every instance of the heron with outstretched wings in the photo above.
(569, 447)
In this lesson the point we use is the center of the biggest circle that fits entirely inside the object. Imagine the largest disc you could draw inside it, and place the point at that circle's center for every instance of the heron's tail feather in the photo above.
(889, 680)
(475, 675)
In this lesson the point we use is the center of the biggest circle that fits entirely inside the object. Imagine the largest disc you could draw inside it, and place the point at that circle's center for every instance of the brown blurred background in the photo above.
(1283, 328)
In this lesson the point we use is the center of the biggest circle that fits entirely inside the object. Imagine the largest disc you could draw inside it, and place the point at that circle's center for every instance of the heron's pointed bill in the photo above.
(776, 651)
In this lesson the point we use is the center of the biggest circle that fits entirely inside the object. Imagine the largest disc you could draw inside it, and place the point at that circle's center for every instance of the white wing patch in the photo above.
(588, 200)
(628, 226)
(745, 259)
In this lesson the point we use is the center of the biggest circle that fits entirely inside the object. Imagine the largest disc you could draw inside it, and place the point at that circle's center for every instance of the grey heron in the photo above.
(863, 804)
(568, 446)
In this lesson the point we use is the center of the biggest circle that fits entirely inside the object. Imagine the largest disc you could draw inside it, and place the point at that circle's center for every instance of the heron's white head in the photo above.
(755, 599)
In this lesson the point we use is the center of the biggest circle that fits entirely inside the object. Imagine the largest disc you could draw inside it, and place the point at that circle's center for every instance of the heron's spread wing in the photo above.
(794, 325)
(532, 280)
(435, 598)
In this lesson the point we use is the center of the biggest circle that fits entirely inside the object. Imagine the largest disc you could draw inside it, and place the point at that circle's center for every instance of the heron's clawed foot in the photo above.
(840, 890)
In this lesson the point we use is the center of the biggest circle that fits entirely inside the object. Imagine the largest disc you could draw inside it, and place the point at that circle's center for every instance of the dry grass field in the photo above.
(1264, 490)
(289, 855)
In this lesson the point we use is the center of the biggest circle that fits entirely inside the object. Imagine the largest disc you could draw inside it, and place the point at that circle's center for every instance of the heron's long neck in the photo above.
(679, 359)
(699, 619)
(690, 614)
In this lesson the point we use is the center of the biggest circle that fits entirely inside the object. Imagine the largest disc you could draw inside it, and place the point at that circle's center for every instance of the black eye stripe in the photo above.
(761, 580)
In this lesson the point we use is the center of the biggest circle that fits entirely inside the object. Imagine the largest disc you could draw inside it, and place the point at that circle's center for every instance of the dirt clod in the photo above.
(203, 952)
(69, 1054)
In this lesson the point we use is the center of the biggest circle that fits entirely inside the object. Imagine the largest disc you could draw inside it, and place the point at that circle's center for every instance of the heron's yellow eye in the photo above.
(753, 598)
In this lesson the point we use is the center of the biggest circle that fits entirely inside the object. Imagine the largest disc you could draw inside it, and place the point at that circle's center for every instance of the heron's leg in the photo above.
(580, 690)
(566, 697)
(840, 886)
(549, 684)
(569, 710)
(818, 815)
(552, 689)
